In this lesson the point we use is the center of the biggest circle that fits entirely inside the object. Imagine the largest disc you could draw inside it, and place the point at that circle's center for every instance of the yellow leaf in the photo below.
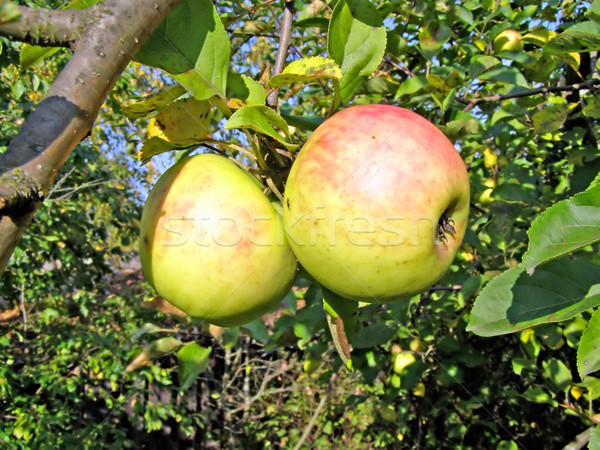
(572, 59)
(182, 122)
(539, 36)
(419, 390)
(489, 158)
(576, 392)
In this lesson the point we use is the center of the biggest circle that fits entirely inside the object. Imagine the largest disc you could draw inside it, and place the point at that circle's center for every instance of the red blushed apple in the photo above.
(376, 204)
(212, 244)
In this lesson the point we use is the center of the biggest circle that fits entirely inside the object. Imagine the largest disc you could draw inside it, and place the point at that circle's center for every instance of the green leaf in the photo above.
(513, 192)
(356, 40)
(463, 126)
(558, 375)
(192, 360)
(504, 74)
(372, 335)
(156, 145)
(8, 11)
(147, 328)
(412, 86)
(191, 45)
(246, 91)
(583, 37)
(594, 443)
(261, 119)
(154, 351)
(537, 394)
(153, 103)
(551, 118)
(433, 37)
(594, 11)
(257, 329)
(303, 122)
(305, 70)
(563, 228)
(32, 54)
(592, 108)
(588, 352)
(481, 63)
(556, 291)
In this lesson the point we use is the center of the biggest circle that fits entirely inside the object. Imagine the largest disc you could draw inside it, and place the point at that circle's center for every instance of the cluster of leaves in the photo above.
(526, 124)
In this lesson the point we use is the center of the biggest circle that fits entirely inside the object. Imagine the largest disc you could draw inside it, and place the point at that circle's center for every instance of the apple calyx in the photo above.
(445, 226)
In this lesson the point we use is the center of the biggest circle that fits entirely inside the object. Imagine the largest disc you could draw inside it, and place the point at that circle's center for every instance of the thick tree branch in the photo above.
(544, 90)
(284, 43)
(46, 27)
(115, 32)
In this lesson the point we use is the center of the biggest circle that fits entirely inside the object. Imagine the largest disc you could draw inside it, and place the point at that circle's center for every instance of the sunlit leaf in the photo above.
(515, 300)
(156, 145)
(182, 122)
(153, 351)
(32, 54)
(356, 40)
(192, 360)
(539, 36)
(412, 86)
(305, 70)
(504, 74)
(557, 374)
(247, 92)
(563, 228)
(551, 118)
(192, 45)
(582, 37)
(261, 119)
(479, 64)
(9, 11)
(594, 443)
(153, 103)
(588, 352)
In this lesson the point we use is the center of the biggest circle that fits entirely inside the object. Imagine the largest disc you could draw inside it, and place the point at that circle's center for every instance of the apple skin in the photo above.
(212, 244)
(508, 40)
(364, 199)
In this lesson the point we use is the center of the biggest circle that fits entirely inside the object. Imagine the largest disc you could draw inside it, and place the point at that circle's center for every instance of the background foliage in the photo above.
(93, 358)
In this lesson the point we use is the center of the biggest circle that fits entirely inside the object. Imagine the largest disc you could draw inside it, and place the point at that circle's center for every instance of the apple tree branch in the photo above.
(105, 42)
(46, 27)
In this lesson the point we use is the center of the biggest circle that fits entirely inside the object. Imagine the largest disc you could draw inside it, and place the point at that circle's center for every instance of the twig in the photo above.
(284, 43)
(316, 414)
(544, 90)
(581, 440)
(399, 67)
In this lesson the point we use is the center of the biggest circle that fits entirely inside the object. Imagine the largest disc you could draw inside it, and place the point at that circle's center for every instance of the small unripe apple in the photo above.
(508, 40)
(212, 244)
(388, 413)
(402, 361)
(376, 204)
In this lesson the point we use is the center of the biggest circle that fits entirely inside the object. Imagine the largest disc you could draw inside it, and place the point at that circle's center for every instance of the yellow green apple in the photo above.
(508, 40)
(212, 244)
